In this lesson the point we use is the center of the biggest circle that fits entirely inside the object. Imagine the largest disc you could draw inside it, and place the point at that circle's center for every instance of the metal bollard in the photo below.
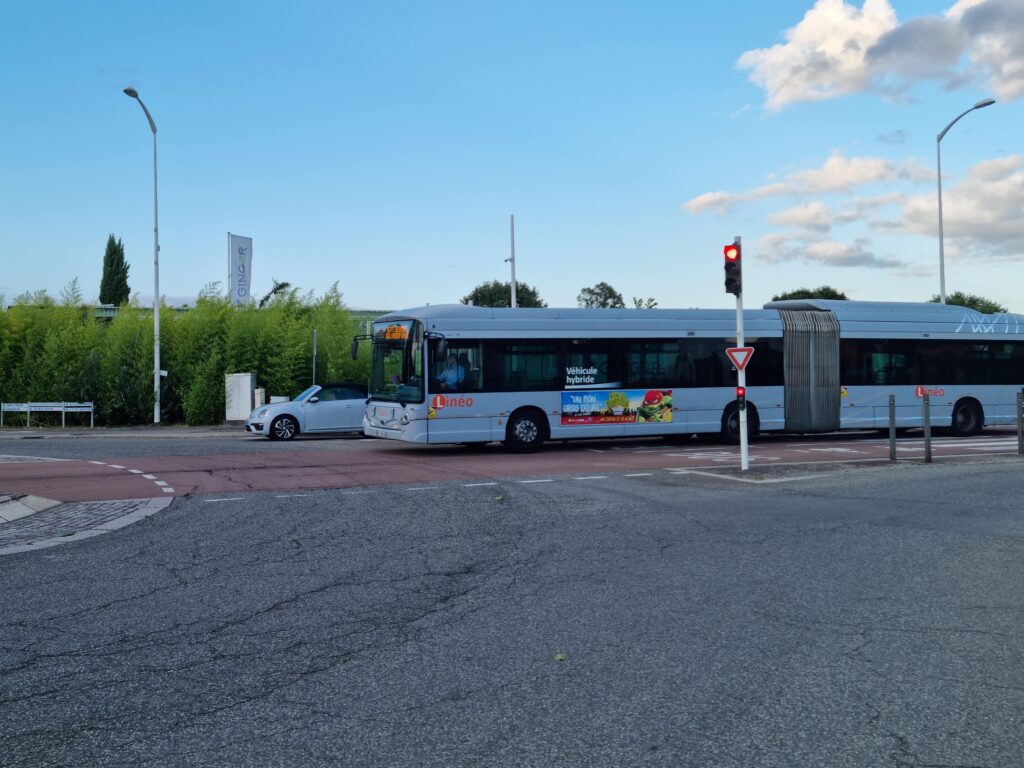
(1020, 423)
(926, 402)
(892, 427)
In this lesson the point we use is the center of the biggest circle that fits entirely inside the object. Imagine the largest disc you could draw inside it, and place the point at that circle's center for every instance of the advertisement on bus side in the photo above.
(620, 406)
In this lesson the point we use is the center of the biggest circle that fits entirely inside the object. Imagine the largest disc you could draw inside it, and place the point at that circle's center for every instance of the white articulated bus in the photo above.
(463, 374)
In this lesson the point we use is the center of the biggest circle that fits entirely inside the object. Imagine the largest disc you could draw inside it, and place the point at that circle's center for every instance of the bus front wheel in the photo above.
(731, 424)
(526, 431)
(967, 419)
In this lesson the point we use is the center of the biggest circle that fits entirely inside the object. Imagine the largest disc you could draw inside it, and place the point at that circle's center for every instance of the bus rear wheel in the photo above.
(967, 419)
(526, 431)
(730, 433)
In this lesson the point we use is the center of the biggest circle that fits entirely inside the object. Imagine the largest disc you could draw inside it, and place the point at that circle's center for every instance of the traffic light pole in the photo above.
(742, 382)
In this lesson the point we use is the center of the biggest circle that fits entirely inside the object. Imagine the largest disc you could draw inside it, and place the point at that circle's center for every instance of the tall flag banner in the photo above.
(239, 267)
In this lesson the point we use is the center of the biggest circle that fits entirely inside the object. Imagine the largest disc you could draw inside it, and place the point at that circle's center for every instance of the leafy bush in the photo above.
(51, 351)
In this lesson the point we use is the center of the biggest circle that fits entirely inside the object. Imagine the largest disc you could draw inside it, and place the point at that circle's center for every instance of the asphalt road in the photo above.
(870, 616)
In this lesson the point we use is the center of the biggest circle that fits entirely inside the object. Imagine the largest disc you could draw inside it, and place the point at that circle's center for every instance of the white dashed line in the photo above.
(423, 488)
(640, 474)
(100, 463)
(135, 471)
(592, 477)
(116, 466)
(476, 485)
(549, 480)
(214, 501)
(159, 482)
(150, 477)
(167, 490)
(293, 496)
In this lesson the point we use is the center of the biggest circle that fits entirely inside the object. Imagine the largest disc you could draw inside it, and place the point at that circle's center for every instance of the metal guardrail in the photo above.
(62, 408)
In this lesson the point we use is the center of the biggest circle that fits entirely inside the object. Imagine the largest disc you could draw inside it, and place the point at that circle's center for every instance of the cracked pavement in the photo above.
(868, 618)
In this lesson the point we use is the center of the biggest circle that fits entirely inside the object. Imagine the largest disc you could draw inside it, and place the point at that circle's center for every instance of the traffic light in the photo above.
(741, 398)
(733, 269)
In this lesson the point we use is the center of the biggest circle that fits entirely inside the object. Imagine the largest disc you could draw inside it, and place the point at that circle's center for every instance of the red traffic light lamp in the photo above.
(741, 398)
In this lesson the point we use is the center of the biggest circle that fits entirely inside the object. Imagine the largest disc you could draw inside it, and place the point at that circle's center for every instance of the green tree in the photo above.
(821, 292)
(114, 284)
(499, 294)
(639, 303)
(279, 287)
(600, 296)
(978, 303)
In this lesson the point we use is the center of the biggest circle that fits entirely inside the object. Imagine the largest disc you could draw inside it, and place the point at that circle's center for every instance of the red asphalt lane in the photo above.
(390, 463)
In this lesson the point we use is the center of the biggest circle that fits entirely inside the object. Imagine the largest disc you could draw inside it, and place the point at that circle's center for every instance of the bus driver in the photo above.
(452, 375)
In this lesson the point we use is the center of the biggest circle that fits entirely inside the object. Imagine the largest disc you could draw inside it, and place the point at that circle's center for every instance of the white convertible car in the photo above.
(321, 409)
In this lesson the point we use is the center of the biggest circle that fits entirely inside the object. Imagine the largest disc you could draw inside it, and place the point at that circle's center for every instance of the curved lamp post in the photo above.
(938, 155)
(156, 268)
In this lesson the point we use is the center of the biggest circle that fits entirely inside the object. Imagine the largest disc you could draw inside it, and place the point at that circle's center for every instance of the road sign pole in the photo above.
(742, 381)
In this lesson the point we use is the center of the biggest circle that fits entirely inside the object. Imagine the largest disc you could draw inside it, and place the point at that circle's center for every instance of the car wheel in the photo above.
(284, 428)
(525, 432)
(967, 419)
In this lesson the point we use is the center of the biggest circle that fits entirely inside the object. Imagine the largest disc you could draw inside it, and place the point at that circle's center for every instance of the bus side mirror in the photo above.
(441, 351)
(355, 347)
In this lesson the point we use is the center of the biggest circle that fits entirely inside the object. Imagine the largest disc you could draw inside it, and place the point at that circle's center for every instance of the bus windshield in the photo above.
(397, 372)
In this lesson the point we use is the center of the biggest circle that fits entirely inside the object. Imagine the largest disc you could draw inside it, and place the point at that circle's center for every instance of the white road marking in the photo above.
(101, 463)
(116, 466)
(293, 495)
(214, 501)
(423, 488)
(640, 474)
(168, 490)
(150, 477)
(748, 479)
(476, 485)
(135, 471)
(591, 477)
(548, 480)
(159, 482)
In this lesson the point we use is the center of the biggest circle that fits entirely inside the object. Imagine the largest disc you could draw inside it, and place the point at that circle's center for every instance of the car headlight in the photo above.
(262, 413)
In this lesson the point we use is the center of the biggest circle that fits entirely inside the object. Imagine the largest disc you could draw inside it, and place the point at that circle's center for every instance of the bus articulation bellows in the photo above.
(464, 374)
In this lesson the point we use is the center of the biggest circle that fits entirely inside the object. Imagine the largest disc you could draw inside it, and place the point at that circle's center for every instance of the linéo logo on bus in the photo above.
(441, 401)
(920, 392)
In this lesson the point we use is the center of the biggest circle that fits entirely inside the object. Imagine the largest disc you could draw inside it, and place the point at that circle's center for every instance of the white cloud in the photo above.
(838, 49)
(860, 208)
(814, 216)
(823, 56)
(809, 249)
(716, 202)
(982, 216)
(838, 174)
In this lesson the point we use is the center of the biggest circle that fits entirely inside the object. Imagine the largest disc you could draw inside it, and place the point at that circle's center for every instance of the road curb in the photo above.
(94, 518)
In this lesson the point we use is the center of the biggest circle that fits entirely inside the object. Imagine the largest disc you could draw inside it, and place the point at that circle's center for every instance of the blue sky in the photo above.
(383, 146)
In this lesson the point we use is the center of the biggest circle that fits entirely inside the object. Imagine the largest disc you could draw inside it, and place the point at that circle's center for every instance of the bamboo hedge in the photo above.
(53, 351)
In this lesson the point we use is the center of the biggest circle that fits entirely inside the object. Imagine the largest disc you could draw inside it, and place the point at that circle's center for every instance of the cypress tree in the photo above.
(114, 284)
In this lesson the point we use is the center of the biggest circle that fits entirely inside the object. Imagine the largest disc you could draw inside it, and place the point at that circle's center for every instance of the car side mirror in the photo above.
(314, 399)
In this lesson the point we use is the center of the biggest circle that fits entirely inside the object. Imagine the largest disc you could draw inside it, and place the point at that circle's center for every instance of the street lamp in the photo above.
(156, 268)
(938, 155)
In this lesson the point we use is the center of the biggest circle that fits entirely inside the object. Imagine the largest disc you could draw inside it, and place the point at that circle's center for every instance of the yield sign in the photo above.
(740, 356)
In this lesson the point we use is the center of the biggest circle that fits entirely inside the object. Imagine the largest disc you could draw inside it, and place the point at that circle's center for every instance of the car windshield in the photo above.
(305, 393)
(397, 372)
